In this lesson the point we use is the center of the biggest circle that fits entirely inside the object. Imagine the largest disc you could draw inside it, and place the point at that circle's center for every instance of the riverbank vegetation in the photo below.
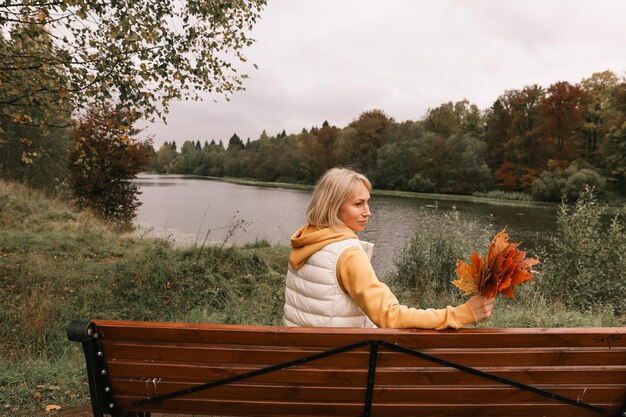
(581, 273)
(537, 142)
(58, 263)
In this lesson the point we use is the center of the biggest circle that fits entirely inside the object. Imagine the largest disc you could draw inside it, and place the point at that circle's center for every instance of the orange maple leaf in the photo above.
(466, 273)
(504, 267)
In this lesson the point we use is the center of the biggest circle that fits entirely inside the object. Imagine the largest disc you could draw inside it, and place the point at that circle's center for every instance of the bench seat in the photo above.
(138, 368)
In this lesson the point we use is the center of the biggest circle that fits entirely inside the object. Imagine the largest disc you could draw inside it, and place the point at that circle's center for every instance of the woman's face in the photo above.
(355, 210)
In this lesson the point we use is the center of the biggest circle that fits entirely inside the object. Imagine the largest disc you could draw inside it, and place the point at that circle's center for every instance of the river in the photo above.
(186, 211)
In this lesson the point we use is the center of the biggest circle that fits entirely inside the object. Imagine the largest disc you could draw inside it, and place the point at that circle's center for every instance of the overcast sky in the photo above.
(334, 59)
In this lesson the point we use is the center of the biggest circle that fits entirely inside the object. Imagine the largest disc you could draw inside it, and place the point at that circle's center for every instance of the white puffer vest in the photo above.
(313, 296)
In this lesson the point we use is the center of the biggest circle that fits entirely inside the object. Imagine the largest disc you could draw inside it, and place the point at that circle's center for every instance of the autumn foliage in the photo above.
(104, 159)
(504, 268)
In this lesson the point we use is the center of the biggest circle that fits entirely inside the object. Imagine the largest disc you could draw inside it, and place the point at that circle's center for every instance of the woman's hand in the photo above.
(481, 306)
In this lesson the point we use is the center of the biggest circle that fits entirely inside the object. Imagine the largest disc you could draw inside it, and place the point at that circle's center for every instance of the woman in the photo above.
(331, 282)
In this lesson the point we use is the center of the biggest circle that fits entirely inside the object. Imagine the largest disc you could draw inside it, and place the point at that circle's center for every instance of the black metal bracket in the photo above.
(102, 400)
(374, 344)
(371, 374)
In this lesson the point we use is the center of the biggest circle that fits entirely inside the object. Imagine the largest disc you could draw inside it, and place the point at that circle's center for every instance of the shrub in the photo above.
(428, 262)
(548, 187)
(104, 160)
(554, 184)
(577, 181)
(420, 184)
(585, 268)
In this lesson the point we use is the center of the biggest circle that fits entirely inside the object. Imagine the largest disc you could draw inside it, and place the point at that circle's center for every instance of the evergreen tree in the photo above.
(234, 143)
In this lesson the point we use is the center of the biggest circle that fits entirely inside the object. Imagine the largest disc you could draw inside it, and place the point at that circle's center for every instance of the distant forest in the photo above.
(545, 142)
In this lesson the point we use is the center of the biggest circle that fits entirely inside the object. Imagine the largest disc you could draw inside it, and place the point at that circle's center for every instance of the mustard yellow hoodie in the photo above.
(358, 279)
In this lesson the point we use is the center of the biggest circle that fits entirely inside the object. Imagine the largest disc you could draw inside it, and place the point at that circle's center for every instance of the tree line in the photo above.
(76, 76)
(548, 142)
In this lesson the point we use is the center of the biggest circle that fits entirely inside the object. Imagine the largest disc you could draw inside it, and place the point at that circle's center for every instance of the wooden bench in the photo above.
(138, 368)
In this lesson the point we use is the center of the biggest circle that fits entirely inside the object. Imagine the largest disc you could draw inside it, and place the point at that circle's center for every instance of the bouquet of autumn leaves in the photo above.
(504, 268)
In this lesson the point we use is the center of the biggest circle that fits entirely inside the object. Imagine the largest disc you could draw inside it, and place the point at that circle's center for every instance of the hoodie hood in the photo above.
(310, 239)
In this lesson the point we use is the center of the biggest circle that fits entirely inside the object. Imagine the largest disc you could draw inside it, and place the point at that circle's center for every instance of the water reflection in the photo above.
(146, 183)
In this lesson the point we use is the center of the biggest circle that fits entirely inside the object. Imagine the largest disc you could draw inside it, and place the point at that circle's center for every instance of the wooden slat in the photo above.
(304, 336)
(488, 394)
(268, 355)
(242, 407)
(357, 376)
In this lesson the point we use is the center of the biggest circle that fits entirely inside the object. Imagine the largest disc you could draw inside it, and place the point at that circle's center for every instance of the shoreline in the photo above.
(391, 193)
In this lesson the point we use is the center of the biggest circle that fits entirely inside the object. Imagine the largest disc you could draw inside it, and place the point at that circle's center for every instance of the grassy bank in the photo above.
(58, 264)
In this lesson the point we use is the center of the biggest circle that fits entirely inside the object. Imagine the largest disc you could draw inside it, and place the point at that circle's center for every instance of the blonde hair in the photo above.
(332, 189)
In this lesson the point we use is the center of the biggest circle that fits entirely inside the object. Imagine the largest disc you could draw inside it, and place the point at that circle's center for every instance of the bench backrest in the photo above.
(276, 371)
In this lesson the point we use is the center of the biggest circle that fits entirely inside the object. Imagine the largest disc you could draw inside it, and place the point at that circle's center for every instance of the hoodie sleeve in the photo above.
(357, 277)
